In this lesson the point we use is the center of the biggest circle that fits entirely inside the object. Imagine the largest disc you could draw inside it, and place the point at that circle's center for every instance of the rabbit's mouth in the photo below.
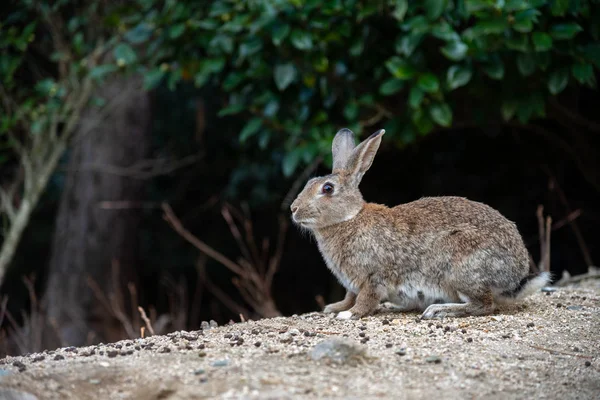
(306, 222)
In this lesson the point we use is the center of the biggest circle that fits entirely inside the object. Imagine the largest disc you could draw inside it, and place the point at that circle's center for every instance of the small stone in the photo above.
(362, 334)
(255, 331)
(287, 338)
(59, 357)
(202, 354)
(446, 329)
(306, 333)
(559, 305)
(205, 325)
(575, 308)
(19, 365)
(433, 359)
(227, 335)
(469, 340)
(112, 353)
(213, 324)
(548, 289)
(257, 344)
(388, 345)
(118, 346)
(39, 358)
(362, 328)
(364, 340)
(199, 371)
(588, 363)
(463, 330)
(294, 332)
(220, 363)
(336, 350)
(94, 381)
(439, 326)
(530, 325)
(201, 346)
(401, 352)
(385, 322)
(576, 349)
(165, 349)
(104, 364)
(497, 318)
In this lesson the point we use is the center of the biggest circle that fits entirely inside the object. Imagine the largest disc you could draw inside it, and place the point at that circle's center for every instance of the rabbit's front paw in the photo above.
(346, 315)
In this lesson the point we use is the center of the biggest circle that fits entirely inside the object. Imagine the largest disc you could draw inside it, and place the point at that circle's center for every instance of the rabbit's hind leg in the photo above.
(481, 304)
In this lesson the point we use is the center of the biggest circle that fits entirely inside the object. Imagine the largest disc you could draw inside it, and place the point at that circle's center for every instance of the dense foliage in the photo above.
(295, 71)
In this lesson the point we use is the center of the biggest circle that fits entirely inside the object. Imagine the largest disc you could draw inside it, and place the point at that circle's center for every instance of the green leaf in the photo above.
(518, 42)
(541, 41)
(139, 34)
(583, 73)
(490, 26)
(250, 129)
(458, 76)
(441, 113)
(407, 44)
(284, 75)
(526, 64)
(46, 87)
(232, 109)
(391, 86)
(428, 82)
(455, 51)
(233, 80)
(176, 31)
(558, 8)
(422, 122)
(124, 54)
(301, 40)
(400, 68)
(494, 70)
(290, 162)
(558, 80)
(565, 31)
(434, 8)
(279, 33)
(415, 97)
(524, 20)
(400, 10)
(101, 70)
(508, 109)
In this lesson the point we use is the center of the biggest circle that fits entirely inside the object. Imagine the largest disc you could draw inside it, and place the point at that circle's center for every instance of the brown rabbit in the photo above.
(448, 256)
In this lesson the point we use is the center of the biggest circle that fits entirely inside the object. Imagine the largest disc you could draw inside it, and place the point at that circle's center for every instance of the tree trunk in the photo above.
(90, 238)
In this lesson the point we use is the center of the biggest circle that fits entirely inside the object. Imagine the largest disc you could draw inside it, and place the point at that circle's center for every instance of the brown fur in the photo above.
(449, 250)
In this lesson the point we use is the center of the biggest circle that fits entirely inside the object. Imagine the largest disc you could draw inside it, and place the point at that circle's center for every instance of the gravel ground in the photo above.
(547, 347)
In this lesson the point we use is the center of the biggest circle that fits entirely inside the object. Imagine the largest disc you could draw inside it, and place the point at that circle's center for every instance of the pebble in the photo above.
(530, 325)
(20, 366)
(336, 350)
(39, 358)
(59, 357)
(94, 381)
(549, 289)
(112, 353)
(575, 308)
(257, 344)
(220, 363)
(385, 322)
(433, 359)
(469, 340)
(588, 363)
(213, 323)
(294, 332)
(401, 352)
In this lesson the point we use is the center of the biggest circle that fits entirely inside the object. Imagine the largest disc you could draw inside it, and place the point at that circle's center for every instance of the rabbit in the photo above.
(441, 256)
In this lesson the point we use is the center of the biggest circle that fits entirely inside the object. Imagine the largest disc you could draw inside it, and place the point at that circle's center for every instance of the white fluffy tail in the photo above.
(527, 287)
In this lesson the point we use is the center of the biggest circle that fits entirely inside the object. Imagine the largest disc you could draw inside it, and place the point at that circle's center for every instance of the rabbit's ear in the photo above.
(362, 156)
(343, 144)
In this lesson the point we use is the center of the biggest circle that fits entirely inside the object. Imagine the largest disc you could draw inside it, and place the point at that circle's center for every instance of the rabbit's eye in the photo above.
(327, 188)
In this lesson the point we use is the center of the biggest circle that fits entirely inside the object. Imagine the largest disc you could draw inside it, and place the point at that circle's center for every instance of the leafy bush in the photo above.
(298, 70)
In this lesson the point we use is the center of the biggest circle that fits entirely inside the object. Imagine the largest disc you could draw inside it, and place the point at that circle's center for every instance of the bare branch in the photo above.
(6, 205)
(175, 223)
(146, 320)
